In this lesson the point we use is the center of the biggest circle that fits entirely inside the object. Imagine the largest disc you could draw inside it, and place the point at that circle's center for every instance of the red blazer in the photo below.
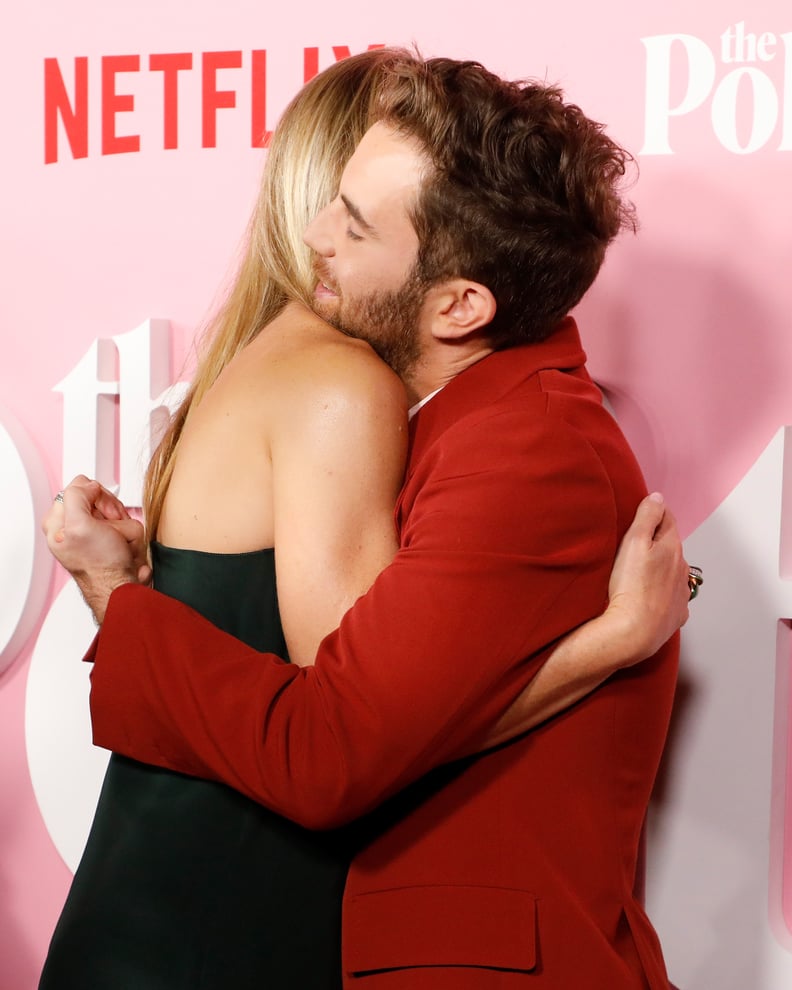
(520, 869)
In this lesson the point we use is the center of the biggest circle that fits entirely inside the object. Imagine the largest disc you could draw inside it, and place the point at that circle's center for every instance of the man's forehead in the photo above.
(383, 137)
(385, 164)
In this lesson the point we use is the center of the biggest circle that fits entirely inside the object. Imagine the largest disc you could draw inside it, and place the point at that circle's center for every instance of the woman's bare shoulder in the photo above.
(316, 363)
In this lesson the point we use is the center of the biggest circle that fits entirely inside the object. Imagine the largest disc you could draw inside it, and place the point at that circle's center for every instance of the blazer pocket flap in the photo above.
(494, 927)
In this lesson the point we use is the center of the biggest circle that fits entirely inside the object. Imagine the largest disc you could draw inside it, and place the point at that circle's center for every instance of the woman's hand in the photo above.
(649, 592)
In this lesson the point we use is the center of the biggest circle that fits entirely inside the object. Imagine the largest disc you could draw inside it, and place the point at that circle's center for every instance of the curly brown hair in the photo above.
(523, 195)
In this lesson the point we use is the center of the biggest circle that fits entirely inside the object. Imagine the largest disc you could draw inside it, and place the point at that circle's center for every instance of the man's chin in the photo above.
(326, 308)
(335, 316)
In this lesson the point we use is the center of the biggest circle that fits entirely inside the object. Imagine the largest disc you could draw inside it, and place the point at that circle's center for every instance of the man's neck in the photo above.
(438, 367)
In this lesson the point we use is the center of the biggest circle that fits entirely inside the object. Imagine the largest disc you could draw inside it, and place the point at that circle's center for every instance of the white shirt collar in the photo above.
(419, 405)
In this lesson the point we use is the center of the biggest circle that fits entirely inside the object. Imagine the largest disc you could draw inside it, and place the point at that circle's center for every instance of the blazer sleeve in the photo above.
(508, 545)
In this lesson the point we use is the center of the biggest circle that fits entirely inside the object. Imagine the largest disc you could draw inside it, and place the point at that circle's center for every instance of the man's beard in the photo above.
(388, 321)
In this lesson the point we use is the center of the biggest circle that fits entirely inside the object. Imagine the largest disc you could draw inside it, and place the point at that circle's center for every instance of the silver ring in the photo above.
(59, 497)
(695, 581)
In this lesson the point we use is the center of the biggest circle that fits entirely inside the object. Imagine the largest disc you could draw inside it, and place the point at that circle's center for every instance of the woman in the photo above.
(292, 436)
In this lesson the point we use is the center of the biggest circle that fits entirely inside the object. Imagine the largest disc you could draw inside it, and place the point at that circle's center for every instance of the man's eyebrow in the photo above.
(355, 213)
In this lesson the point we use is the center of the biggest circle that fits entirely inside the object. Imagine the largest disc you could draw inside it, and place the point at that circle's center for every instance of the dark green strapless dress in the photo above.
(186, 884)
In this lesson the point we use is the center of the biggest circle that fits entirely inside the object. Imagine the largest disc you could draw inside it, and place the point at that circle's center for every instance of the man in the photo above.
(469, 221)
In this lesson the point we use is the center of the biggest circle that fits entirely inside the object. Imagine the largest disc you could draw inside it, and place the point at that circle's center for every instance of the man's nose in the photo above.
(318, 233)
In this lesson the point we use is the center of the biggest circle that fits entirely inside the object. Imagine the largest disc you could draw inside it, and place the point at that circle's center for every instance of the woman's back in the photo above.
(299, 445)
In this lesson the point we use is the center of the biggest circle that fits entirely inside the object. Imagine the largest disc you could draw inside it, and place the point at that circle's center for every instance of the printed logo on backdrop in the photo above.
(737, 86)
(100, 96)
(110, 417)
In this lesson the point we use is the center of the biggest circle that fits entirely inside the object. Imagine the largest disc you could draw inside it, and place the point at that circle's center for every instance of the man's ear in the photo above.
(460, 307)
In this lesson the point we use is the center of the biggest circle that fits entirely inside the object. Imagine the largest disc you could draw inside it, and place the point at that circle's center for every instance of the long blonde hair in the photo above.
(310, 146)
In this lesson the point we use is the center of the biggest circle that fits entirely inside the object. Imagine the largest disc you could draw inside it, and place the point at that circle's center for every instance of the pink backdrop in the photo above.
(128, 175)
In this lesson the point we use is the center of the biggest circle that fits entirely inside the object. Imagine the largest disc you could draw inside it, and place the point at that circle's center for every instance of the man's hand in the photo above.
(93, 536)
(649, 591)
